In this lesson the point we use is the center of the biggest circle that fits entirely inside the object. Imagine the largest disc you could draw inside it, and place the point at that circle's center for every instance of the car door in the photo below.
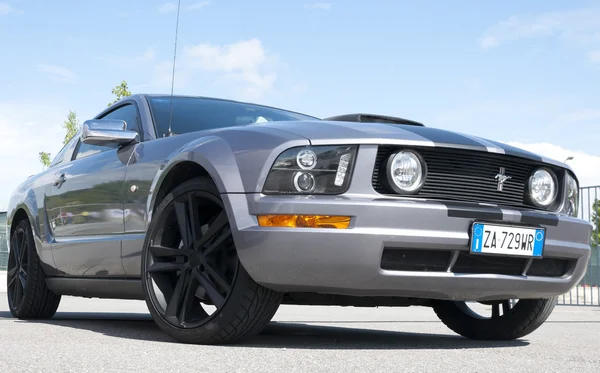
(85, 206)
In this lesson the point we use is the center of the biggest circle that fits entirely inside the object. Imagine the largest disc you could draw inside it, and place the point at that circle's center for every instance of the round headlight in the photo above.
(542, 188)
(406, 172)
(306, 159)
(304, 182)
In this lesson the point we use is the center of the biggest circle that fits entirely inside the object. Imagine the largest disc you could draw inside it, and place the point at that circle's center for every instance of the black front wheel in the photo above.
(508, 319)
(196, 288)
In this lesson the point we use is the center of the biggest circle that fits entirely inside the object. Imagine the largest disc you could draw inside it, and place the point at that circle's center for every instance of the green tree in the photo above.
(595, 217)
(120, 91)
(71, 126)
(44, 158)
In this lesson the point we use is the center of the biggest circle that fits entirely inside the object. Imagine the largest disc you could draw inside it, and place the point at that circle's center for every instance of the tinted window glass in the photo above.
(197, 114)
(61, 154)
(128, 113)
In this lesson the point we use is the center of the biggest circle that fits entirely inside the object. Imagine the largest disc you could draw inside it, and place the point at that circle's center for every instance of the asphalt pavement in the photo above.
(93, 335)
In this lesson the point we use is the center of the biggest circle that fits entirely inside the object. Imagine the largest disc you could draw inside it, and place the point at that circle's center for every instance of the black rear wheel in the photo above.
(508, 320)
(196, 289)
(28, 295)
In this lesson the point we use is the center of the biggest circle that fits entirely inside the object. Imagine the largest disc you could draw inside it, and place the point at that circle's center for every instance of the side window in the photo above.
(66, 150)
(128, 113)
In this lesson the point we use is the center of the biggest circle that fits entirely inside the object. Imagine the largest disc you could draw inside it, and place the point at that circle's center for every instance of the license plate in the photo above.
(507, 240)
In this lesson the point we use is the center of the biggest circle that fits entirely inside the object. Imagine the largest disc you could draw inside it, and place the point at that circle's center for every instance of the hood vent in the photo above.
(373, 118)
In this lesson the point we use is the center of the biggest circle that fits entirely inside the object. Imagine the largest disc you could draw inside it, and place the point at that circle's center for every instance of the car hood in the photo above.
(338, 132)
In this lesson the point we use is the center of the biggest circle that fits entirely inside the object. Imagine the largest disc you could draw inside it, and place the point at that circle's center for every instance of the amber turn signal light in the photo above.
(304, 221)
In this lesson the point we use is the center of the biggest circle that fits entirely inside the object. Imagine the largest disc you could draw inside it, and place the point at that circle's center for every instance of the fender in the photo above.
(233, 164)
(205, 151)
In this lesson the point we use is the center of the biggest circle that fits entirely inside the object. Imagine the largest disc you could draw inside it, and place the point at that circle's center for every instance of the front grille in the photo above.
(415, 260)
(466, 175)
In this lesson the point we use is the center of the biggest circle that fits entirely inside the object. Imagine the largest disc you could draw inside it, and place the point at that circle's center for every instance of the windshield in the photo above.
(196, 114)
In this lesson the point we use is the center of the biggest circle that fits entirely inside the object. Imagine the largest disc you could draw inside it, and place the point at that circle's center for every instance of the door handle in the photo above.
(60, 180)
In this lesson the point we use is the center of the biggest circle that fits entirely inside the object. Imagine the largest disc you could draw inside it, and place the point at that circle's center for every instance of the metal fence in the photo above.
(3, 243)
(587, 292)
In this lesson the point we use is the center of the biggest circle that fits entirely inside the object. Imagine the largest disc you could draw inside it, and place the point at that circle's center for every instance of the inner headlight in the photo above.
(571, 207)
(406, 172)
(542, 188)
(312, 170)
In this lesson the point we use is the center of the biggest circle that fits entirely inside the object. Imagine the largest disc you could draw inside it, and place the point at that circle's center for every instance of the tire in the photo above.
(525, 317)
(28, 295)
(209, 274)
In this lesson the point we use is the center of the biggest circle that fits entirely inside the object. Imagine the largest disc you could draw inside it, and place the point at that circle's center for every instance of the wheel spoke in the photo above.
(162, 251)
(188, 299)
(210, 288)
(163, 282)
(495, 310)
(12, 272)
(23, 279)
(182, 221)
(16, 251)
(22, 249)
(178, 293)
(11, 281)
(213, 229)
(218, 278)
(194, 218)
(165, 267)
(222, 236)
(505, 307)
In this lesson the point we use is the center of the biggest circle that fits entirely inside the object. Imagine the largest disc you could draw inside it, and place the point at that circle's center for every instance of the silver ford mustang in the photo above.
(215, 212)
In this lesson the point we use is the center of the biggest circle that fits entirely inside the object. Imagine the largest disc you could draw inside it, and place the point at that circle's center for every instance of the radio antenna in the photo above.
(170, 133)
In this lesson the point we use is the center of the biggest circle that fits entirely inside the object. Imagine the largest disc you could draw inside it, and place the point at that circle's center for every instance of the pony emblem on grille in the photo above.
(501, 178)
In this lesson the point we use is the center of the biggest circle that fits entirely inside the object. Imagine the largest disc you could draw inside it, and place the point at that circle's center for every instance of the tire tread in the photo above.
(528, 318)
(39, 302)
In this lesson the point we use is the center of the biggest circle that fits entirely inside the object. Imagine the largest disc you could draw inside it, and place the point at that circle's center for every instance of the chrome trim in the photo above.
(102, 131)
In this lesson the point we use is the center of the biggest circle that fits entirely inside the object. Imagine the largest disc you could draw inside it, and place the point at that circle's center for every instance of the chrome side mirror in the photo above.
(104, 131)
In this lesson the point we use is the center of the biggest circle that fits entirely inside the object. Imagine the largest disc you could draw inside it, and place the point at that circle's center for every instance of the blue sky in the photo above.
(521, 72)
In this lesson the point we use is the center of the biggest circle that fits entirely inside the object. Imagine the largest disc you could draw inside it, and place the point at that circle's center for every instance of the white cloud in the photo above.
(585, 166)
(58, 73)
(245, 62)
(6, 8)
(167, 8)
(322, 6)
(594, 56)
(583, 115)
(163, 74)
(198, 5)
(26, 132)
(577, 26)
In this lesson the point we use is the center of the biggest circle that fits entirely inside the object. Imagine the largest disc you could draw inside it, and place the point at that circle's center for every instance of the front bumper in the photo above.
(349, 261)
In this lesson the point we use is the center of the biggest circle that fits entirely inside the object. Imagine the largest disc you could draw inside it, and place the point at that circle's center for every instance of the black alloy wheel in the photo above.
(28, 295)
(18, 262)
(191, 272)
(509, 319)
